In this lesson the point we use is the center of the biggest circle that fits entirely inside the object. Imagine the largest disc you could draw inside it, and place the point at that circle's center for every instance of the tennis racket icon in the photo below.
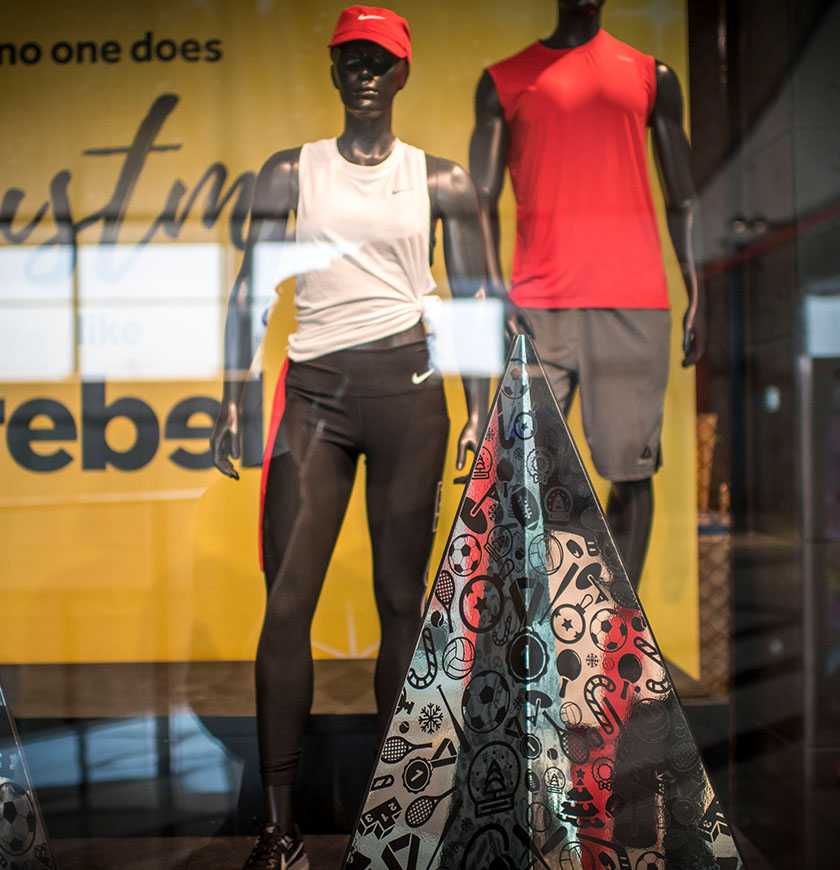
(421, 809)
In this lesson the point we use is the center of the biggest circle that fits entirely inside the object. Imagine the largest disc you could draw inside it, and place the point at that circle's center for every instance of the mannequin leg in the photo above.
(630, 514)
(307, 492)
(279, 806)
(405, 452)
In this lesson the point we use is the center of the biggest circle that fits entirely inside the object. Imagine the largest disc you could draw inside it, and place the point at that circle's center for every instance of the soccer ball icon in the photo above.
(486, 701)
(650, 861)
(17, 819)
(464, 555)
(608, 630)
(518, 382)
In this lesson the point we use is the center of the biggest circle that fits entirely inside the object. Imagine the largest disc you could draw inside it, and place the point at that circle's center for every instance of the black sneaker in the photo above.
(276, 851)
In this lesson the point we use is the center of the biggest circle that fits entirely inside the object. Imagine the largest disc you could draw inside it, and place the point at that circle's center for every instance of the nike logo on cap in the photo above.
(418, 379)
(363, 17)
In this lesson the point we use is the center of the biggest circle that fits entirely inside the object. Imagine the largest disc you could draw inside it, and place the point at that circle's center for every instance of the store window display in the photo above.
(358, 382)
(568, 116)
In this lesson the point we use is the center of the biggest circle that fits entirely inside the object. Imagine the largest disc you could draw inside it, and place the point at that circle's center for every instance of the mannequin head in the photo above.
(367, 76)
(371, 53)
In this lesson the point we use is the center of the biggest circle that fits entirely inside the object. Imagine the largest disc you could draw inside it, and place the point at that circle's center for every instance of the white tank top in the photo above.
(365, 232)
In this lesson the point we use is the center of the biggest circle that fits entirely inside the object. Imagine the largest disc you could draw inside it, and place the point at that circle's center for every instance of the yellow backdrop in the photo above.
(160, 563)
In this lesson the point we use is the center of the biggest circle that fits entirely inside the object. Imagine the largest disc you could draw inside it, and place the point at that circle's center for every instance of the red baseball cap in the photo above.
(374, 24)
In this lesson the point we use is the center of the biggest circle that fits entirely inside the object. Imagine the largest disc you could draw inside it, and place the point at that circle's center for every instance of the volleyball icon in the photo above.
(458, 658)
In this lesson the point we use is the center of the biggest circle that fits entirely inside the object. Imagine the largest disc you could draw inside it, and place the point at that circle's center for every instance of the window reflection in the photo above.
(150, 312)
(36, 301)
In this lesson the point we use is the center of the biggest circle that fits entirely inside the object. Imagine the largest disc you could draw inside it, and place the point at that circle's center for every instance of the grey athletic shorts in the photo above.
(619, 357)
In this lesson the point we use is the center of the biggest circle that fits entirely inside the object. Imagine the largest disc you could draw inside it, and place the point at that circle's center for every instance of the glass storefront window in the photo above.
(162, 237)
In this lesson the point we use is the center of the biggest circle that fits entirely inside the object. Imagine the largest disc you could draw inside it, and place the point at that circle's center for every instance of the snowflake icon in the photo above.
(496, 512)
(592, 660)
(431, 718)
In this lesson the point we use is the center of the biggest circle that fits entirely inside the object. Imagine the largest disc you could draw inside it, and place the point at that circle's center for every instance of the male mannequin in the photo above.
(499, 133)
(359, 383)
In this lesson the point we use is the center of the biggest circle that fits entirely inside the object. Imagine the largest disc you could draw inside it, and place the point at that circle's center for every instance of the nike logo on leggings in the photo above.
(418, 379)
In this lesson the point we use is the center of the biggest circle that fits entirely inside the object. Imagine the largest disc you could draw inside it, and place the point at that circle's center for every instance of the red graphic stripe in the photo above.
(277, 408)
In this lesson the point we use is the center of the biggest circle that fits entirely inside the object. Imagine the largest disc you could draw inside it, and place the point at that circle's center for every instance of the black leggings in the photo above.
(338, 407)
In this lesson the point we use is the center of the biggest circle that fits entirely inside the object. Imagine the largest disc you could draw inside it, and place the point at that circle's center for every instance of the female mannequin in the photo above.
(359, 381)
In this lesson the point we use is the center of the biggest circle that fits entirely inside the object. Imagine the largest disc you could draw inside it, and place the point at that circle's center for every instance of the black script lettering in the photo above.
(214, 50)
(113, 213)
(96, 452)
(12, 198)
(178, 428)
(216, 175)
(65, 233)
(20, 434)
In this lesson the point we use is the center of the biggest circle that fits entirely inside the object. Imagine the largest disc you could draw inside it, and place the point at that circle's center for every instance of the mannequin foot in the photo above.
(278, 851)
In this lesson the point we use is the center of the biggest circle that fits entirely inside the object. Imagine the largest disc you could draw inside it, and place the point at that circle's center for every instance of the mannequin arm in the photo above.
(454, 202)
(673, 159)
(488, 159)
(274, 198)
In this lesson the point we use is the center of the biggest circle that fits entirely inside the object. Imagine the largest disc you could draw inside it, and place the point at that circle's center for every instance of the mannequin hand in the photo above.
(226, 440)
(516, 322)
(468, 440)
(694, 337)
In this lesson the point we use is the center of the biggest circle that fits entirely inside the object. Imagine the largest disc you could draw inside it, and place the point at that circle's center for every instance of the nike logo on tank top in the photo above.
(586, 234)
(366, 236)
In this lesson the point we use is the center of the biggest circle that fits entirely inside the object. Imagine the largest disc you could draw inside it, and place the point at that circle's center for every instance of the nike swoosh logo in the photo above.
(403, 190)
(363, 17)
(418, 379)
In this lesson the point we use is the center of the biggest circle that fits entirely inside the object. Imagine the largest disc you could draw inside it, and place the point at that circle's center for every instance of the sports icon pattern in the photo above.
(23, 839)
(538, 726)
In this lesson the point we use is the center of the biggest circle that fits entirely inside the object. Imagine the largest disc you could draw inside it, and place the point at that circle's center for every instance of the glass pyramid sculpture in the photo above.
(537, 726)
(23, 838)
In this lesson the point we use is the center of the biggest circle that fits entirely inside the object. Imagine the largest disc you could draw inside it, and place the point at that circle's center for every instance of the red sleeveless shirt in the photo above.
(586, 233)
